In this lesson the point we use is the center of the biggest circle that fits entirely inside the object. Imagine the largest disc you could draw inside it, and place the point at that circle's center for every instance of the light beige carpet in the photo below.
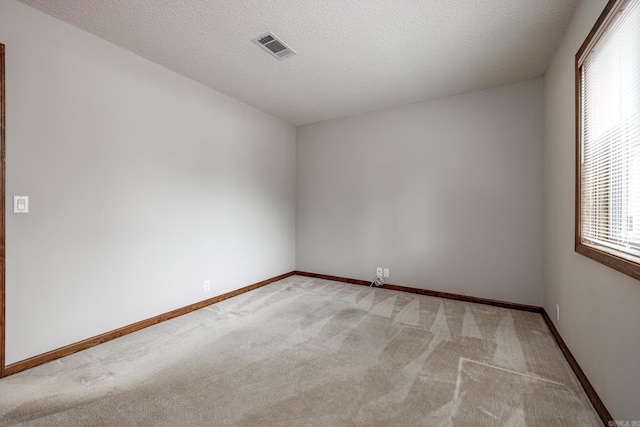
(308, 352)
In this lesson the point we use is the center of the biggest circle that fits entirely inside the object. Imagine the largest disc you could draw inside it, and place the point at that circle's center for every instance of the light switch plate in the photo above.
(21, 204)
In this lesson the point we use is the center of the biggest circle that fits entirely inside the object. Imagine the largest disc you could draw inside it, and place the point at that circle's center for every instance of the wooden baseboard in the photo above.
(584, 381)
(597, 403)
(447, 295)
(99, 339)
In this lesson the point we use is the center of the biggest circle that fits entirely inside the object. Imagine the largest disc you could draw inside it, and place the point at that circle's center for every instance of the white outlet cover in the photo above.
(386, 272)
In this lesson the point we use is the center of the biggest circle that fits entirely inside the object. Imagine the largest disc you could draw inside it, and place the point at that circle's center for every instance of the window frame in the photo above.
(620, 261)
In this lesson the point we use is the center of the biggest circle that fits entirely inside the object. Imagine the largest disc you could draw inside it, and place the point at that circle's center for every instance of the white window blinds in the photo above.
(610, 135)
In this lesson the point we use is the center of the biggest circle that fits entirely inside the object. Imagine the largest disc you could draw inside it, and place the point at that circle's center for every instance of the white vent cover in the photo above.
(274, 46)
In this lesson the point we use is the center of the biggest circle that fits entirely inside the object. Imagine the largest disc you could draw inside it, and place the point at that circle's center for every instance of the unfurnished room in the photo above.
(320, 213)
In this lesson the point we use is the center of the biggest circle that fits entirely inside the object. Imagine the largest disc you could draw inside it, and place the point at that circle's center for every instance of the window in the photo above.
(608, 139)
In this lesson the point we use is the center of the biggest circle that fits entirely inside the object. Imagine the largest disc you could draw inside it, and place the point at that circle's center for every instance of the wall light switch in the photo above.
(20, 204)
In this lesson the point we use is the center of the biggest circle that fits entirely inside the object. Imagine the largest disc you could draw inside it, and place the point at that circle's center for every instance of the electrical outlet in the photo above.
(379, 272)
(386, 272)
(557, 312)
(207, 285)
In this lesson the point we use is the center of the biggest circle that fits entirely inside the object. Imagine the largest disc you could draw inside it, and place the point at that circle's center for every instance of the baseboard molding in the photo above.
(584, 381)
(99, 339)
(447, 295)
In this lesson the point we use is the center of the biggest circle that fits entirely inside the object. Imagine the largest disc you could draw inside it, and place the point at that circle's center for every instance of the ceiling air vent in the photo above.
(275, 47)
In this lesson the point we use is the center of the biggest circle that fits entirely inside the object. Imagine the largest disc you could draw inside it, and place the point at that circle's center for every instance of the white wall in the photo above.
(142, 184)
(447, 194)
(599, 314)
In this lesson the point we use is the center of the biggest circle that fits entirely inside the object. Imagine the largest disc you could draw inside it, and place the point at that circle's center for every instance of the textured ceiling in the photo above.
(352, 56)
